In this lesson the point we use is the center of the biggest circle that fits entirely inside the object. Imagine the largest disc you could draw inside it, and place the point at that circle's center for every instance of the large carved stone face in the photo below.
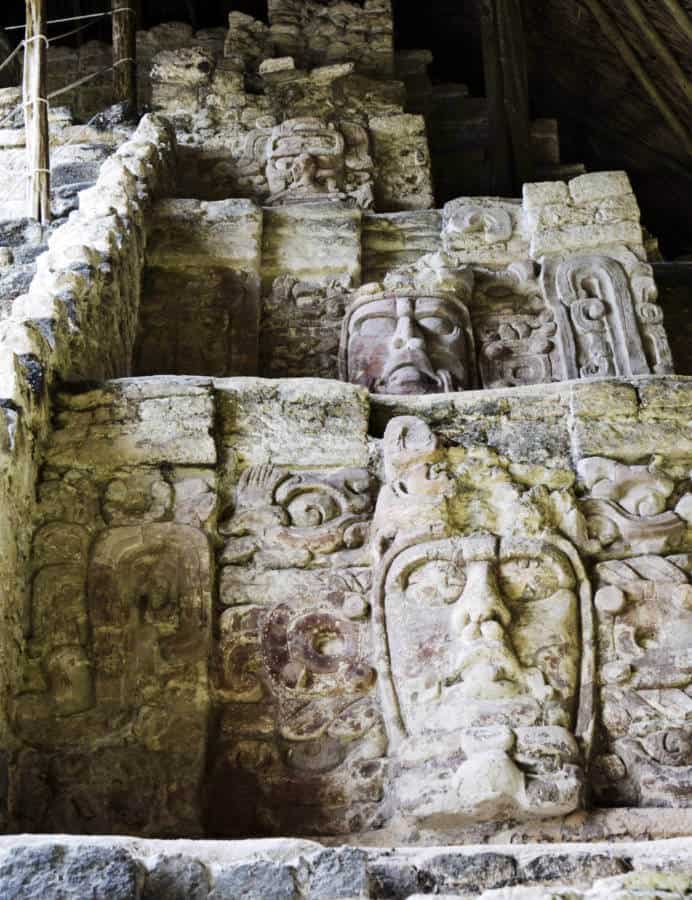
(407, 345)
(482, 632)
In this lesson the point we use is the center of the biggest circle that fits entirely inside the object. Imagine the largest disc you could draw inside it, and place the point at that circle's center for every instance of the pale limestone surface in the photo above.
(397, 611)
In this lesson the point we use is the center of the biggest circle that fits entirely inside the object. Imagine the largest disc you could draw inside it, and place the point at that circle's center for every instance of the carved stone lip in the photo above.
(494, 655)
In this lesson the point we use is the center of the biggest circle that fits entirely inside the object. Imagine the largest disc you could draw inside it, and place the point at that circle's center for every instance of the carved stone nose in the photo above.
(481, 600)
(407, 335)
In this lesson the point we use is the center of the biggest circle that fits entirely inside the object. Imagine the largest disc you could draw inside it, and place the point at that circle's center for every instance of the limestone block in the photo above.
(396, 239)
(204, 234)
(180, 79)
(299, 422)
(484, 230)
(400, 149)
(320, 35)
(147, 421)
(618, 431)
(247, 39)
(311, 241)
(593, 210)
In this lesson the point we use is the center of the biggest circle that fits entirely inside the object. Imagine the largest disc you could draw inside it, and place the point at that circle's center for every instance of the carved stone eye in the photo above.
(311, 509)
(377, 326)
(435, 583)
(437, 324)
(527, 579)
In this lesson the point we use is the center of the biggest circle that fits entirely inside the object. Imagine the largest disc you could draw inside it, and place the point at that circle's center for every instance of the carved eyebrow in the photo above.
(432, 304)
(374, 309)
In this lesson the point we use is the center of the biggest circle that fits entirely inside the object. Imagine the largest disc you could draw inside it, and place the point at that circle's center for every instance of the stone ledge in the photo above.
(122, 868)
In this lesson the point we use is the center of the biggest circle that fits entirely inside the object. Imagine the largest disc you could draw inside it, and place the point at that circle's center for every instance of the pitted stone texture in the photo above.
(313, 241)
(70, 873)
(299, 422)
(177, 878)
(594, 210)
(136, 421)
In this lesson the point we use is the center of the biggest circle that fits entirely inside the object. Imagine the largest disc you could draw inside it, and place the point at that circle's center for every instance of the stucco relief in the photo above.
(483, 626)
(411, 334)
(300, 735)
(308, 159)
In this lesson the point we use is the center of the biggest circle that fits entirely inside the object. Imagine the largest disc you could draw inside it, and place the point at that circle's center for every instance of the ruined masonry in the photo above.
(333, 517)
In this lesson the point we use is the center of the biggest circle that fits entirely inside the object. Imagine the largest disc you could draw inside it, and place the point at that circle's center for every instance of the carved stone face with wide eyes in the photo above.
(482, 637)
(408, 345)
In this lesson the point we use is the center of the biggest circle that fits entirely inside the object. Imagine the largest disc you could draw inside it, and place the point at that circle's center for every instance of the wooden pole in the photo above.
(124, 53)
(664, 57)
(36, 111)
(611, 31)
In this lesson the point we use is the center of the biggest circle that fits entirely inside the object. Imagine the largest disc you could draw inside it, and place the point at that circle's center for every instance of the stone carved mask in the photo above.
(407, 343)
(481, 662)
(482, 631)
(305, 161)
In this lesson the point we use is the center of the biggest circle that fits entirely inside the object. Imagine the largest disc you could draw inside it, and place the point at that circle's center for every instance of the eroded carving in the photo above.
(515, 331)
(309, 159)
(483, 674)
(306, 519)
(644, 607)
(300, 734)
(411, 334)
(633, 508)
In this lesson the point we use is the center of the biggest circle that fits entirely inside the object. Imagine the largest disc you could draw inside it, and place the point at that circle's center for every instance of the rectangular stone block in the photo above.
(398, 239)
(200, 306)
(135, 422)
(311, 241)
(293, 422)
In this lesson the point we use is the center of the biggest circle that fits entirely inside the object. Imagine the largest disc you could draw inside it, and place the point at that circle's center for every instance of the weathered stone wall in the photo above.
(77, 321)
(223, 547)
(556, 281)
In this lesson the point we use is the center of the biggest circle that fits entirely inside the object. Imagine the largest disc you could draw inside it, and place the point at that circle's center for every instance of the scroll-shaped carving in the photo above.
(306, 519)
(644, 608)
(650, 317)
(483, 642)
(308, 159)
(596, 325)
(633, 508)
(514, 329)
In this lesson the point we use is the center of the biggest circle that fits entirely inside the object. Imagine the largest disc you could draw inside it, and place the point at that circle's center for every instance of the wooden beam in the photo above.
(498, 127)
(124, 53)
(674, 73)
(36, 111)
(681, 17)
(510, 26)
(507, 90)
(612, 32)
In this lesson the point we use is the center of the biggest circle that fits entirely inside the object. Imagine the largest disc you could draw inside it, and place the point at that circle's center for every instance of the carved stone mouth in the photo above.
(408, 378)
(489, 661)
